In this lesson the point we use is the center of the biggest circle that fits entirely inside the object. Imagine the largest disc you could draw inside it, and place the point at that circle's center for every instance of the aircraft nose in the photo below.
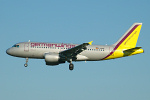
(8, 51)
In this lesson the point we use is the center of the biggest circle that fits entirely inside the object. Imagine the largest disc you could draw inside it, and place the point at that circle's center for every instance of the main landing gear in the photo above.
(71, 66)
(26, 64)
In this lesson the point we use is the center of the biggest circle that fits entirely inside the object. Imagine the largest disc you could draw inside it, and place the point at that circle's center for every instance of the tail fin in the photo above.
(129, 39)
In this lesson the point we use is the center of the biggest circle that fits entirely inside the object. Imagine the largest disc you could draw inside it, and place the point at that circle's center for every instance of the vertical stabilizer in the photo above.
(129, 39)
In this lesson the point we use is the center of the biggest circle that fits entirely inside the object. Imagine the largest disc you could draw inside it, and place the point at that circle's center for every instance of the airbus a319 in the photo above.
(59, 53)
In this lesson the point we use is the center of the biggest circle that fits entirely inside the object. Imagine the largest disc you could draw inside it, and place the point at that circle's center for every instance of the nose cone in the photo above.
(8, 51)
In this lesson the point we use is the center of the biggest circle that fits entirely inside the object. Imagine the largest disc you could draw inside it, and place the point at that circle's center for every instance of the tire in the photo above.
(25, 65)
(71, 67)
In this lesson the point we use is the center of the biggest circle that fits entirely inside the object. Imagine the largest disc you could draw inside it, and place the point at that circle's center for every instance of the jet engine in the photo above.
(53, 59)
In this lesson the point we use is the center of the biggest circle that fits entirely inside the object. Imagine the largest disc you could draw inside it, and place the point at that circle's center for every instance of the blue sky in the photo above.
(73, 21)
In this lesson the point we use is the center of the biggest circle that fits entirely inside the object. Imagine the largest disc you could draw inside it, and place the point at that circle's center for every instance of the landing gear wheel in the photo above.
(71, 66)
(25, 65)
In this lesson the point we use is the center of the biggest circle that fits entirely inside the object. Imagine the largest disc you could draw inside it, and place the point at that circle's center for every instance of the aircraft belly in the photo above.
(94, 56)
(81, 58)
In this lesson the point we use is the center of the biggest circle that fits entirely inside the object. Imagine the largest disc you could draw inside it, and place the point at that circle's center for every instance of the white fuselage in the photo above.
(38, 50)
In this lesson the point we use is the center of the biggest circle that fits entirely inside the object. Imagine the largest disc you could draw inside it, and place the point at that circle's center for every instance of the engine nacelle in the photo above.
(53, 59)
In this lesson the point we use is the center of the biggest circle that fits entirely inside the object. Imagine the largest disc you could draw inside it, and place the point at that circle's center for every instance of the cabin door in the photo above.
(26, 47)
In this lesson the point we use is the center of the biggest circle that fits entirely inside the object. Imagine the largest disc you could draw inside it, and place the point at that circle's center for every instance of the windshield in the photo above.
(16, 46)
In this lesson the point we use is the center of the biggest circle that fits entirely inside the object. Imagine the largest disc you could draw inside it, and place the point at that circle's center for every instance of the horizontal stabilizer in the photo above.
(132, 49)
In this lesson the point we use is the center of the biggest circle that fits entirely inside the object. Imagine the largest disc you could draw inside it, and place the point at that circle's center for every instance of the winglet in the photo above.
(90, 43)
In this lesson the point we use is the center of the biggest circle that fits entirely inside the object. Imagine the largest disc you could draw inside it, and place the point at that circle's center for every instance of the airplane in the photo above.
(59, 53)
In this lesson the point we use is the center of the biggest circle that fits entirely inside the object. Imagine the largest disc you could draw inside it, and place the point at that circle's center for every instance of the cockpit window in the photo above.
(16, 46)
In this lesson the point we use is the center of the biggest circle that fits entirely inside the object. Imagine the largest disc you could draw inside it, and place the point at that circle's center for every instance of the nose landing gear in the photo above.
(26, 64)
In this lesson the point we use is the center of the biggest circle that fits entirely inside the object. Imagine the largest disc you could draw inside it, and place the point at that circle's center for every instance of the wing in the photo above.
(73, 52)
